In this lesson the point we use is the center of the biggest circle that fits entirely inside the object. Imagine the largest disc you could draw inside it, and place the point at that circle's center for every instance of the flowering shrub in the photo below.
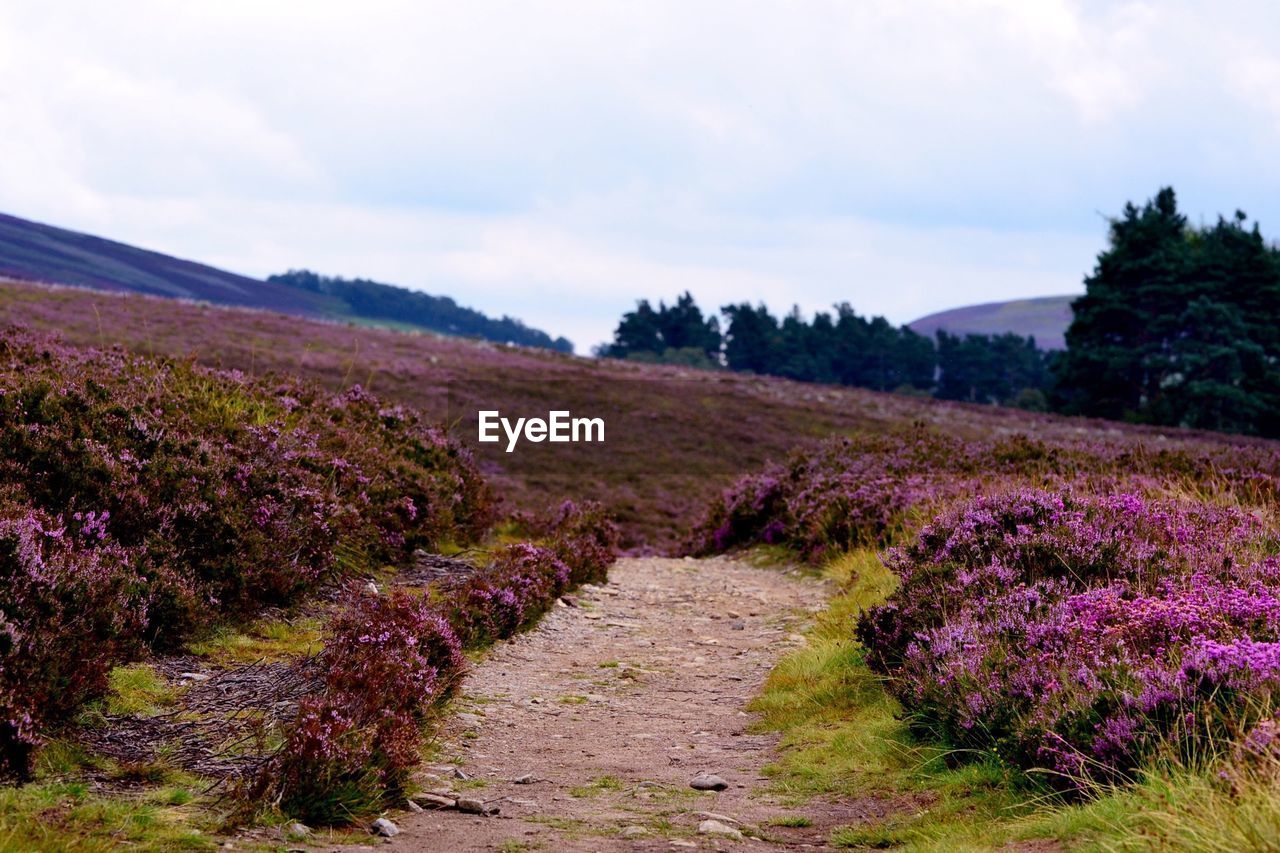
(583, 537)
(389, 660)
(68, 609)
(870, 490)
(1079, 633)
(847, 493)
(522, 581)
(145, 498)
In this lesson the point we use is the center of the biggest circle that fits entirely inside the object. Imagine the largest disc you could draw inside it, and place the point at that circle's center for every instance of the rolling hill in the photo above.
(675, 437)
(1045, 318)
(36, 252)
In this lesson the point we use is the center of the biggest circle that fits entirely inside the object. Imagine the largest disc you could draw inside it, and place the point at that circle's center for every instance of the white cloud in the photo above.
(558, 160)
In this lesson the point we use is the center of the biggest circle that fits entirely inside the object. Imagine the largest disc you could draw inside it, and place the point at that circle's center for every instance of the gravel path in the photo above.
(612, 705)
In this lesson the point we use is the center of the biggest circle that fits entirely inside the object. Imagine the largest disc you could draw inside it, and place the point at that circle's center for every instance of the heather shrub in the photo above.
(410, 485)
(1081, 634)
(873, 490)
(200, 496)
(70, 605)
(584, 538)
(846, 493)
(389, 660)
(519, 584)
(399, 646)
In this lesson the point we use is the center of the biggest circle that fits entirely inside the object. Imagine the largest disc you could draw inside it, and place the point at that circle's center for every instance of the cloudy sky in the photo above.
(558, 160)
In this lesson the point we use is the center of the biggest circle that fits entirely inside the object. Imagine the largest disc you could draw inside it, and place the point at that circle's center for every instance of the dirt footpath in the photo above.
(609, 708)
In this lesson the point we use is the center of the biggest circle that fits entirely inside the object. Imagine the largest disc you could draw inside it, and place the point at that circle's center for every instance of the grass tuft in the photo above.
(137, 689)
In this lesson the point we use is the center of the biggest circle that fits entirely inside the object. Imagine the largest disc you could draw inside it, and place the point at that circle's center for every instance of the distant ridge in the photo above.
(1045, 318)
(31, 250)
(37, 252)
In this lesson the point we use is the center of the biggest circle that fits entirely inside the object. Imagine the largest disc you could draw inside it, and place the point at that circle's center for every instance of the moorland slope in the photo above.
(676, 437)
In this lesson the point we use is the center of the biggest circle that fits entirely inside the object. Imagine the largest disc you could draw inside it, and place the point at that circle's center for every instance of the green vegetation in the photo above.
(53, 812)
(845, 349)
(843, 735)
(793, 821)
(137, 689)
(267, 640)
(1179, 325)
(597, 787)
(371, 300)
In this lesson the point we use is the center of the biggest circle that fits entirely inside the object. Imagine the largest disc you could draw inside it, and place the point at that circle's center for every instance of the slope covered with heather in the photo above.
(33, 251)
(681, 434)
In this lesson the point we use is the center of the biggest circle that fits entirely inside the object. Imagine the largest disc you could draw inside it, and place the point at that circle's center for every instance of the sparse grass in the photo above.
(793, 821)
(513, 846)
(573, 699)
(597, 787)
(1176, 808)
(65, 816)
(266, 640)
(139, 690)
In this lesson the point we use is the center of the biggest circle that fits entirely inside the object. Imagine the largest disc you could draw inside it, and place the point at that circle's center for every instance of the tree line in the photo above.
(839, 347)
(1179, 326)
(387, 302)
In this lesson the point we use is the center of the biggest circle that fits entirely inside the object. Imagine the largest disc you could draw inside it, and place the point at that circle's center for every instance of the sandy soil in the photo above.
(613, 704)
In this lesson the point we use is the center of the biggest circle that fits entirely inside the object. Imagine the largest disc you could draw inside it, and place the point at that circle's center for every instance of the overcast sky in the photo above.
(557, 161)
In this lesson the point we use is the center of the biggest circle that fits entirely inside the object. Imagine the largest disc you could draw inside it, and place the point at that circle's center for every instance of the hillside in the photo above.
(36, 252)
(1045, 318)
(675, 437)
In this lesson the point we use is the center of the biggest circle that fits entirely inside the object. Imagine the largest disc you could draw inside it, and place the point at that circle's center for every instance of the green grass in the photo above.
(843, 737)
(792, 821)
(597, 787)
(66, 816)
(265, 640)
(138, 689)
(1176, 808)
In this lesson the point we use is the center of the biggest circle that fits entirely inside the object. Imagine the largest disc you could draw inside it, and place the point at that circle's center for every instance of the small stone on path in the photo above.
(471, 806)
(385, 828)
(715, 827)
(708, 782)
(633, 831)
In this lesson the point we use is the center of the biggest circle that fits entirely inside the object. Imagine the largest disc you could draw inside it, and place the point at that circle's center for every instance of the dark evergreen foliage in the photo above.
(677, 334)
(1179, 325)
(841, 348)
(370, 299)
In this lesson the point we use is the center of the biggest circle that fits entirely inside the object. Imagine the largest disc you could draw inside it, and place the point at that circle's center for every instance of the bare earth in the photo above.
(613, 706)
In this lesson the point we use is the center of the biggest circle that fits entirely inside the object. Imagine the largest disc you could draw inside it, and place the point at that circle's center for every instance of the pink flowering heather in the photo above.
(1078, 633)
(142, 499)
(390, 659)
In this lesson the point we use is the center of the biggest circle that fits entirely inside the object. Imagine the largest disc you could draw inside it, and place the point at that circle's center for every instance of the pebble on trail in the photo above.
(708, 782)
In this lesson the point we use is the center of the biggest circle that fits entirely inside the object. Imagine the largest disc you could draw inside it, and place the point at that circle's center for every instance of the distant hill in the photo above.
(38, 252)
(386, 302)
(1046, 318)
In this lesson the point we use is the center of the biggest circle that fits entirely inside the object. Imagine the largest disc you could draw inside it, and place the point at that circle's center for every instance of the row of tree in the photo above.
(1179, 326)
(387, 302)
(841, 347)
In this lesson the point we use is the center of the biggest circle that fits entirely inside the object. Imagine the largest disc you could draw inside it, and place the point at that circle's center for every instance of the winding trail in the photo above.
(613, 704)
